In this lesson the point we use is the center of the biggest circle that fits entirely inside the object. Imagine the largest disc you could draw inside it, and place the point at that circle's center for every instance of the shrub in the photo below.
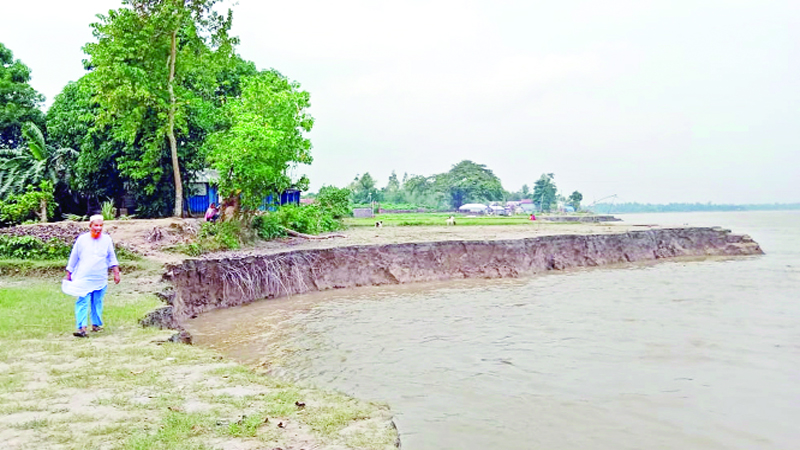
(107, 210)
(28, 205)
(219, 235)
(29, 247)
(268, 226)
(308, 219)
(336, 201)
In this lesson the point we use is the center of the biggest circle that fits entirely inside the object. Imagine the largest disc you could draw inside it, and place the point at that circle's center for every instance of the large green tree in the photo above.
(469, 182)
(393, 192)
(154, 61)
(365, 189)
(263, 141)
(71, 122)
(544, 192)
(574, 199)
(19, 102)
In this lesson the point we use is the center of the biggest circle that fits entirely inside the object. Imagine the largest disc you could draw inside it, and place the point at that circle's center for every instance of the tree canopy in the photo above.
(469, 182)
(155, 63)
(544, 192)
(264, 140)
(19, 102)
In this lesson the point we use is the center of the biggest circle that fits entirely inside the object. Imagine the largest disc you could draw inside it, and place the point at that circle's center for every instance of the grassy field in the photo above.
(127, 388)
(435, 219)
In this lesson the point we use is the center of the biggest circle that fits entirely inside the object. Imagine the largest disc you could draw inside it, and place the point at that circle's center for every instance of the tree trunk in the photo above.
(173, 145)
(43, 213)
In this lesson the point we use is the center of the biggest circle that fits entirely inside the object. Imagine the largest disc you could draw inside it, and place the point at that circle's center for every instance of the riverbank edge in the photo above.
(202, 285)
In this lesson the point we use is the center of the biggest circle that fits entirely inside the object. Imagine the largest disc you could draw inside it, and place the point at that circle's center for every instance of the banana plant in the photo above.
(33, 162)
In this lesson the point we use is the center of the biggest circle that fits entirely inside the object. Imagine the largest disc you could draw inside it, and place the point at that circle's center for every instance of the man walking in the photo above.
(87, 274)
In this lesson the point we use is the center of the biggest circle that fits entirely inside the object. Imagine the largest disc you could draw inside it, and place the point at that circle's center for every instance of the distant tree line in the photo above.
(621, 208)
(466, 182)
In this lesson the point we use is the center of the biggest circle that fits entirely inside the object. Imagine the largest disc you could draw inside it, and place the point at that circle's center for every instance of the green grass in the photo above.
(35, 268)
(38, 309)
(131, 371)
(435, 219)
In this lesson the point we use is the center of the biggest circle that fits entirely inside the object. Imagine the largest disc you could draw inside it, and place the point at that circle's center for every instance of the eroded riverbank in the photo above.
(202, 285)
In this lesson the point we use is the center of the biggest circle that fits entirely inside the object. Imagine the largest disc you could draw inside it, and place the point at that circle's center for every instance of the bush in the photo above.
(107, 210)
(268, 226)
(29, 247)
(336, 201)
(26, 206)
(227, 235)
(308, 219)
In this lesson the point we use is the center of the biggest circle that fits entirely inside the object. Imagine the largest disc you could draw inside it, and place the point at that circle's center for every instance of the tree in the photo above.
(153, 60)
(336, 201)
(264, 141)
(544, 192)
(32, 163)
(469, 182)
(392, 193)
(574, 199)
(19, 102)
(364, 190)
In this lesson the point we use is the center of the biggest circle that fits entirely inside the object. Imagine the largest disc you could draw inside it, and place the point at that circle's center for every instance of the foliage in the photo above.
(264, 140)
(574, 199)
(402, 206)
(19, 102)
(32, 248)
(28, 205)
(71, 122)
(227, 234)
(308, 219)
(107, 210)
(469, 182)
(523, 193)
(215, 237)
(544, 192)
(439, 219)
(268, 226)
(336, 201)
(32, 163)
(364, 190)
(154, 64)
(393, 192)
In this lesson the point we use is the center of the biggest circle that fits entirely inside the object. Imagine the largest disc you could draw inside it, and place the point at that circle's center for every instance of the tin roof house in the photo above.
(203, 191)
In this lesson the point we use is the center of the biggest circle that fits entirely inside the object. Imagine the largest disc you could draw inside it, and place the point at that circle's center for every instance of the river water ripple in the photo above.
(701, 354)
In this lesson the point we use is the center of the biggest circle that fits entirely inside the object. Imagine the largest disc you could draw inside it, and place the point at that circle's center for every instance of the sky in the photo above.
(648, 101)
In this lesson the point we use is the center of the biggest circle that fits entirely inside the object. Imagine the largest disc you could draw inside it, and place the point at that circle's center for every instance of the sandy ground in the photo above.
(399, 235)
(152, 238)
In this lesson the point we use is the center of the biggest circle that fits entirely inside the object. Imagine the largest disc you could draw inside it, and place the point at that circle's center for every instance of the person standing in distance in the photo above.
(87, 274)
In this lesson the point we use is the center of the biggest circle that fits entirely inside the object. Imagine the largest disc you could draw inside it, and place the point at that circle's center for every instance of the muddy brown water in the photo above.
(700, 354)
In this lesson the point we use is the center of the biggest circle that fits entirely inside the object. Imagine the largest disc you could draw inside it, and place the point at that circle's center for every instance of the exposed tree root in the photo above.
(309, 236)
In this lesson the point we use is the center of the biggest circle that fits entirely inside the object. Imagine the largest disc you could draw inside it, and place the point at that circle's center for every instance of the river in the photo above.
(690, 354)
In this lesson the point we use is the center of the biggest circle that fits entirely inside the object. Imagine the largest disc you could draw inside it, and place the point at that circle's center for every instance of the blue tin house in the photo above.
(203, 192)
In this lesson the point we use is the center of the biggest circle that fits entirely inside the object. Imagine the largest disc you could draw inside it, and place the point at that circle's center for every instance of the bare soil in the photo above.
(152, 238)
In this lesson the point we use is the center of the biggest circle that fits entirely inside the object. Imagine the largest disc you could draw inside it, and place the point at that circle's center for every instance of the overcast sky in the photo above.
(654, 101)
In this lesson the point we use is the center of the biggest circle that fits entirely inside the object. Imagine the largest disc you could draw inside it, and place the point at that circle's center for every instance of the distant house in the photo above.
(289, 196)
(203, 192)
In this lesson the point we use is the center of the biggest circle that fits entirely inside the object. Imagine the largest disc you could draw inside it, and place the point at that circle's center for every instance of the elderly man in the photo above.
(87, 274)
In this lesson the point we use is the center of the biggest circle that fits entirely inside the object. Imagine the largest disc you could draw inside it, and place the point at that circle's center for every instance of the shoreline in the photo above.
(201, 285)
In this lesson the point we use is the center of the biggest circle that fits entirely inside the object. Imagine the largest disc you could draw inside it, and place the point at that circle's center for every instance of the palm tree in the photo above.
(24, 166)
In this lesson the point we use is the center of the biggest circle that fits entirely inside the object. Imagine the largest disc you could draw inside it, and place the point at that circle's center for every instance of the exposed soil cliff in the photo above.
(207, 284)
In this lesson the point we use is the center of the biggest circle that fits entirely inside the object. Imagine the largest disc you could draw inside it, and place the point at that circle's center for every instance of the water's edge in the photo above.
(202, 285)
